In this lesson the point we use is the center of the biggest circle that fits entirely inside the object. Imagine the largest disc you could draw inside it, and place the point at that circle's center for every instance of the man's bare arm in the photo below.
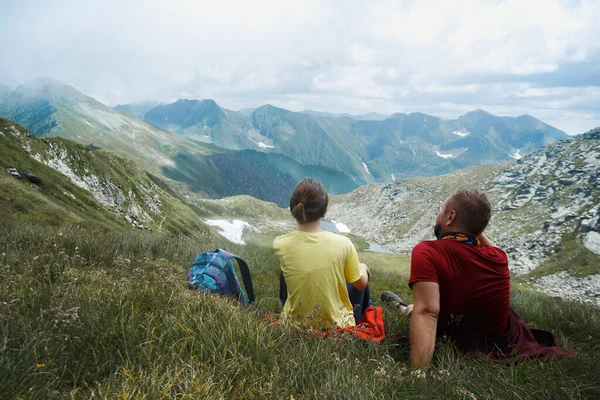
(423, 323)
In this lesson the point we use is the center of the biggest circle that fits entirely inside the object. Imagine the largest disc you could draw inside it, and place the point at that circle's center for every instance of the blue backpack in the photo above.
(213, 271)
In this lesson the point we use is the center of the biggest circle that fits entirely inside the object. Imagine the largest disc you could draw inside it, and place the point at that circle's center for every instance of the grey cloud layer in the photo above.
(510, 57)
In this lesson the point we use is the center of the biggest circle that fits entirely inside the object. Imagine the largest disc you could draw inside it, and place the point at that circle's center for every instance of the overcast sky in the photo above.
(445, 58)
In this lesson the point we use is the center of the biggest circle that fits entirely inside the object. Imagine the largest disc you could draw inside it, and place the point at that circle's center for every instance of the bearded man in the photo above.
(461, 288)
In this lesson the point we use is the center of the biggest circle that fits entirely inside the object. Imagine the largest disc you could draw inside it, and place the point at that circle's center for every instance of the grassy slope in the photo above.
(150, 336)
(58, 201)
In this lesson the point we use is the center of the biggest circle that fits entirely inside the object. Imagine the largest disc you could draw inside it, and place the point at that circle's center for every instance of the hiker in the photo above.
(323, 285)
(461, 288)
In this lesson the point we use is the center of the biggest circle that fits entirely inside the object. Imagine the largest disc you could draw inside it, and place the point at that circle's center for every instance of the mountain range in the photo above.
(370, 148)
(199, 147)
(51, 108)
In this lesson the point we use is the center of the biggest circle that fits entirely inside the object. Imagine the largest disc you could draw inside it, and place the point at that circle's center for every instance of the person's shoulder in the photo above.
(494, 251)
(282, 239)
(425, 246)
(337, 238)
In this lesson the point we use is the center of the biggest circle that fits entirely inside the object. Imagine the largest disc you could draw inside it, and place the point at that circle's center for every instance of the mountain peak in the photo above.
(46, 88)
(206, 102)
(269, 108)
(478, 113)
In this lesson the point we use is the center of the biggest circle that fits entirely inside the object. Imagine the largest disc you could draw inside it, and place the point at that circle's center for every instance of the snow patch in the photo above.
(413, 149)
(341, 227)
(366, 168)
(232, 230)
(443, 155)
(393, 177)
(517, 155)
(462, 134)
(265, 146)
(84, 120)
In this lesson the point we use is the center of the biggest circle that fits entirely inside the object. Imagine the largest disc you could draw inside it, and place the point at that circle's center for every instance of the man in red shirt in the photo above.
(461, 287)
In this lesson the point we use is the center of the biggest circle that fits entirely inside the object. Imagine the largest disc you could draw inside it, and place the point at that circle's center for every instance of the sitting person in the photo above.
(323, 284)
(461, 287)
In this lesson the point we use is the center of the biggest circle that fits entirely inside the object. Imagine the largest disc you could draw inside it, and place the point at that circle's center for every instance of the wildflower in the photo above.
(441, 374)
(40, 365)
(466, 394)
(291, 365)
(381, 373)
(418, 374)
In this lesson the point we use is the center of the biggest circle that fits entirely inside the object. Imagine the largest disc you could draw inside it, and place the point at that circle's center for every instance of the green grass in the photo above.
(91, 312)
(59, 201)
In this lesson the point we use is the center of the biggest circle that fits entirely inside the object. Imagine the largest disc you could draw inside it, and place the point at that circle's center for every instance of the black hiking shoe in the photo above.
(391, 299)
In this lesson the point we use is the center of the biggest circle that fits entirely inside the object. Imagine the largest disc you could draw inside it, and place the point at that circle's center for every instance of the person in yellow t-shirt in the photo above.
(323, 285)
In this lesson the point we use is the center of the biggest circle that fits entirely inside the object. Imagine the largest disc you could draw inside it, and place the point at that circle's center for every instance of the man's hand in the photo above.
(484, 241)
(423, 323)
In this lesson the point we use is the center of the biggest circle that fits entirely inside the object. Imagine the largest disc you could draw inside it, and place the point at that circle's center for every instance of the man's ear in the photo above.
(451, 218)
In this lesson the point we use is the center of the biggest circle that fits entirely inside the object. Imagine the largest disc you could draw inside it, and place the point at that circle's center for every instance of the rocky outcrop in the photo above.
(135, 200)
(561, 284)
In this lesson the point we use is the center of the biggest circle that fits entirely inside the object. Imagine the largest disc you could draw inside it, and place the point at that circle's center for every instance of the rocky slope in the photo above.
(546, 213)
(59, 181)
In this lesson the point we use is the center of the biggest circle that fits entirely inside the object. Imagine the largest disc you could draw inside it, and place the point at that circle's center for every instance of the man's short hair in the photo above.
(473, 210)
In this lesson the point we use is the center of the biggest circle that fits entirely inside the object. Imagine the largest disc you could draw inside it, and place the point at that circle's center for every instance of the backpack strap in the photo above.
(245, 271)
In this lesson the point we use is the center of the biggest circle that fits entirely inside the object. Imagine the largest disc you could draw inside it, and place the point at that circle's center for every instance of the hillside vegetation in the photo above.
(92, 308)
(93, 312)
(78, 184)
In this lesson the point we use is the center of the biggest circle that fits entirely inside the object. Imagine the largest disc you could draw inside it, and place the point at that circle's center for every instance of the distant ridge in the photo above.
(137, 109)
(366, 150)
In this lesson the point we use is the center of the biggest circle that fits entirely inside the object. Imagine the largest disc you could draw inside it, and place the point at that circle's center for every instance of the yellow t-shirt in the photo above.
(316, 267)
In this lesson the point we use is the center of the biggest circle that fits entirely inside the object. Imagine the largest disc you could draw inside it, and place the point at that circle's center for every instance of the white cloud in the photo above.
(434, 56)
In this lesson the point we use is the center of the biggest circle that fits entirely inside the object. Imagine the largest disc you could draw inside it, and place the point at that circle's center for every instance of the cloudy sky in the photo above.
(445, 58)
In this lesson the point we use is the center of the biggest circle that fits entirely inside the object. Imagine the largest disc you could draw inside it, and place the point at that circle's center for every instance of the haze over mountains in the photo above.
(219, 152)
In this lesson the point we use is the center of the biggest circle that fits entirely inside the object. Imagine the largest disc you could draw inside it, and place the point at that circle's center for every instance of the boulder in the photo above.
(14, 172)
(33, 178)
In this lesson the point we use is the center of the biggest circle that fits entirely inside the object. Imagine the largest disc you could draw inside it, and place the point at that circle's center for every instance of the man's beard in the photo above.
(437, 230)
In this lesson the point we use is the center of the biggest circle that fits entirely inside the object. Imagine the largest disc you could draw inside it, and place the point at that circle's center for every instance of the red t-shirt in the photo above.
(474, 286)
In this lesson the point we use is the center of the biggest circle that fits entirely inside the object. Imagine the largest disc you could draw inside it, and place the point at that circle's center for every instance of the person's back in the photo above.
(322, 283)
(316, 267)
(474, 284)
(461, 288)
